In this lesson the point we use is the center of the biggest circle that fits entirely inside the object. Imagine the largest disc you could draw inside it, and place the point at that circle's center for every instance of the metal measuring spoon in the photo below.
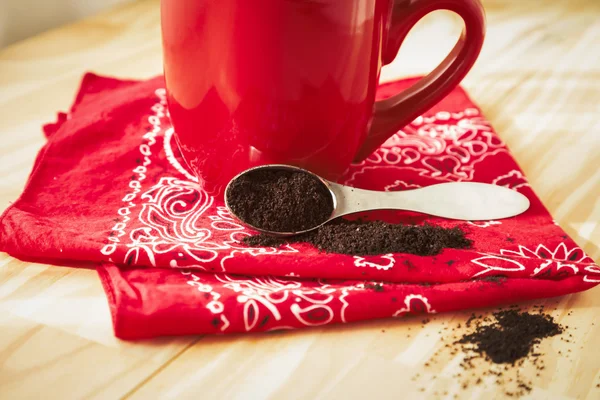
(469, 201)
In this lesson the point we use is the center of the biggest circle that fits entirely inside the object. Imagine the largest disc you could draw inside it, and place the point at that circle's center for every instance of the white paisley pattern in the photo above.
(171, 218)
(384, 262)
(415, 303)
(512, 180)
(559, 261)
(445, 146)
(264, 299)
(561, 257)
(170, 215)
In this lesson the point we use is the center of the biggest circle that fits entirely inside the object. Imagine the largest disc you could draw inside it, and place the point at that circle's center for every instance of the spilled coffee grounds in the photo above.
(280, 200)
(290, 201)
(500, 349)
(372, 238)
(511, 336)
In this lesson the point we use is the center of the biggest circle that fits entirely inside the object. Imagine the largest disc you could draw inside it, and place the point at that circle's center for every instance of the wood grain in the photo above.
(537, 81)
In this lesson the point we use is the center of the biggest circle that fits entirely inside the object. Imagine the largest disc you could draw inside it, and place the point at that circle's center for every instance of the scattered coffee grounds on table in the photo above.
(372, 238)
(280, 200)
(496, 348)
(511, 336)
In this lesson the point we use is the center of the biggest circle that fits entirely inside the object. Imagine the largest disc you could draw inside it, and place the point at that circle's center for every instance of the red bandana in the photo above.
(110, 187)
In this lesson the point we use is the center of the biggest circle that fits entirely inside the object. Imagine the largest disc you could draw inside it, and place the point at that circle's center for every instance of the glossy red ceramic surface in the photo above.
(293, 81)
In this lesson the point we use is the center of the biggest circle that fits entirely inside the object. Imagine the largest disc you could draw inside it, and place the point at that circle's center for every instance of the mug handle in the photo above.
(394, 113)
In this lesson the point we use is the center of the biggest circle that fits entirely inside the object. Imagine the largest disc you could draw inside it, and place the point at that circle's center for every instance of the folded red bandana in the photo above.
(110, 187)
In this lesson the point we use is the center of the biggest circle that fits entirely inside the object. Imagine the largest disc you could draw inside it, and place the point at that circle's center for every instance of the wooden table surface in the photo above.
(538, 81)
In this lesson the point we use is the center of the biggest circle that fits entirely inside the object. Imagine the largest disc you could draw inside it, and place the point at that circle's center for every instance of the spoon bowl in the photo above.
(467, 201)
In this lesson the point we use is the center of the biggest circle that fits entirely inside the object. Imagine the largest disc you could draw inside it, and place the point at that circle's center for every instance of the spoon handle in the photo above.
(469, 201)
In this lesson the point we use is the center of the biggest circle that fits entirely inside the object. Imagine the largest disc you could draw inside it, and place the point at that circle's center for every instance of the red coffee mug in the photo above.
(293, 81)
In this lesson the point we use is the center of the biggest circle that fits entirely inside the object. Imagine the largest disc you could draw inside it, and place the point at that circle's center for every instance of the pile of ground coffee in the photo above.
(280, 200)
(499, 349)
(511, 336)
(372, 238)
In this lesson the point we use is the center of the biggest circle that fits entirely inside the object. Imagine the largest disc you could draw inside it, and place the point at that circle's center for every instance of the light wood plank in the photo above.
(56, 337)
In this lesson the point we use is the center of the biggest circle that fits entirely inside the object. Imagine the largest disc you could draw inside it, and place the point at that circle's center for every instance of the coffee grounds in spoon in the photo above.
(280, 200)
(372, 238)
